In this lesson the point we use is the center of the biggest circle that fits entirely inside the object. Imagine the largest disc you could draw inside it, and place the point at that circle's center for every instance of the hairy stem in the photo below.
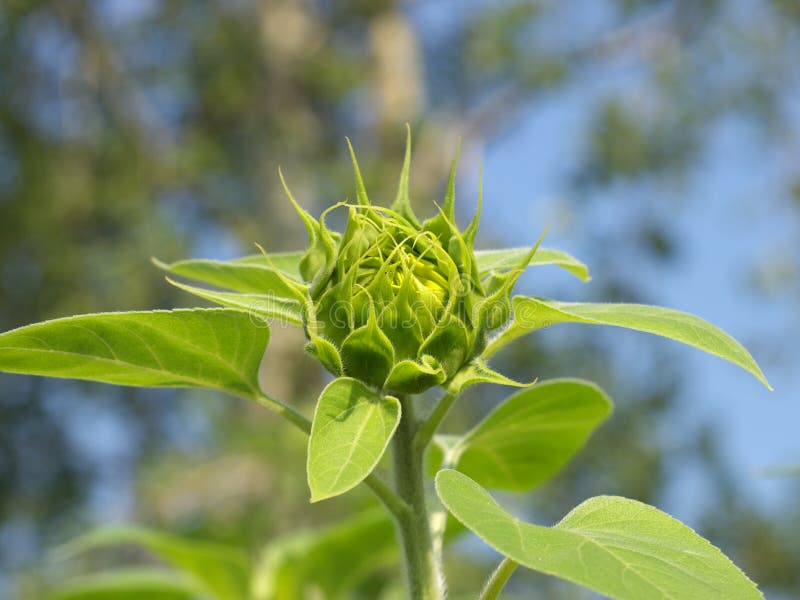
(498, 579)
(428, 427)
(423, 573)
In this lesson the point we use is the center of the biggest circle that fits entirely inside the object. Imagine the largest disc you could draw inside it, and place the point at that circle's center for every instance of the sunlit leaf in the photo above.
(262, 307)
(618, 547)
(352, 427)
(503, 260)
(209, 348)
(530, 436)
(531, 314)
(238, 276)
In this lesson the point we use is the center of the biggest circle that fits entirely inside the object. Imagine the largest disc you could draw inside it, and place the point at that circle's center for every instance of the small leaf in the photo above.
(352, 428)
(127, 584)
(218, 570)
(209, 348)
(502, 260)
(236, 276)
(326, 563)
(531, 314)
(618, 547)
(531, 436)
(263, 307)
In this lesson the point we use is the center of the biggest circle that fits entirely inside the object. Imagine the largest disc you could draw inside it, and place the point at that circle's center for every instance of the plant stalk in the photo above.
(498, 579)
(423, 573)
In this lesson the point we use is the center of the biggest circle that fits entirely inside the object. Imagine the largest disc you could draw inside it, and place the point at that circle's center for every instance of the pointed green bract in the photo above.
(217, 570)
(412, 377)
(211, 348)
(618, 547)
(361, 191)
(530, 436)
(478, 371)
(352, 428)
(402, 203)
(127, 584)
(531, 314)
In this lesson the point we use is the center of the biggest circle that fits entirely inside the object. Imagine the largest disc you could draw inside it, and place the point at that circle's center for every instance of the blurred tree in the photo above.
(136, 128)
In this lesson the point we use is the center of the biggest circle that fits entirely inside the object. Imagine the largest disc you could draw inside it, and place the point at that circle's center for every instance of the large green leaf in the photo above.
(352, 427)
(210, 348)
(246, 276)
(218, 570)
(263, 307)
(615, 546)
(530, 436)
(531, 314)
(506, 259)
(127, 584)
(326, 563)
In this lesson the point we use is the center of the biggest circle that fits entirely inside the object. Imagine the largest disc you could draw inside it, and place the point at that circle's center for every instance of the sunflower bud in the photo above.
(395, 303)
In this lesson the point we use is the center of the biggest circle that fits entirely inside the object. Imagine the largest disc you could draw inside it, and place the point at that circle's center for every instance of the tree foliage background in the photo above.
(130, 128)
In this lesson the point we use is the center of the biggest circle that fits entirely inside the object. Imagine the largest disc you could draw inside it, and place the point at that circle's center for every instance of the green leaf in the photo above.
(287, 263)
(352, 428)
(262, 307)
(326, 563)
(502, 260)
(531, 314)
(238, 276)
(531, 436)
(209, 348)
(618, 547)
(127, 584)
(218, 570)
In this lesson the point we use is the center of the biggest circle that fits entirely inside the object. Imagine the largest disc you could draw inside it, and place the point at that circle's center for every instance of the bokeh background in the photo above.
(658, 139)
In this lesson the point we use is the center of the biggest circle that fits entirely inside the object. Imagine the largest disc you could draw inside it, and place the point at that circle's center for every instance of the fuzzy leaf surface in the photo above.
(263, 307)
(243, 276)
(530, 436)
(531, 314)
(352, 428)
(615, 546)
(210, 348)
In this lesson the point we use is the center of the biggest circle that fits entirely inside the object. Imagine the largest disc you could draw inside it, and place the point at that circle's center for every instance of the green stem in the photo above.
(428, 428)
(498, 580)
(423, 574)
(393, 503)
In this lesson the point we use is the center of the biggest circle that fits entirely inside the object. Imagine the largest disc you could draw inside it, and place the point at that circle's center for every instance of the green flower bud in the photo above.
(395, 303)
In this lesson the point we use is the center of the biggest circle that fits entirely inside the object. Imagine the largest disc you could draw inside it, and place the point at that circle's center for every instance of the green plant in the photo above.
(393, 308)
